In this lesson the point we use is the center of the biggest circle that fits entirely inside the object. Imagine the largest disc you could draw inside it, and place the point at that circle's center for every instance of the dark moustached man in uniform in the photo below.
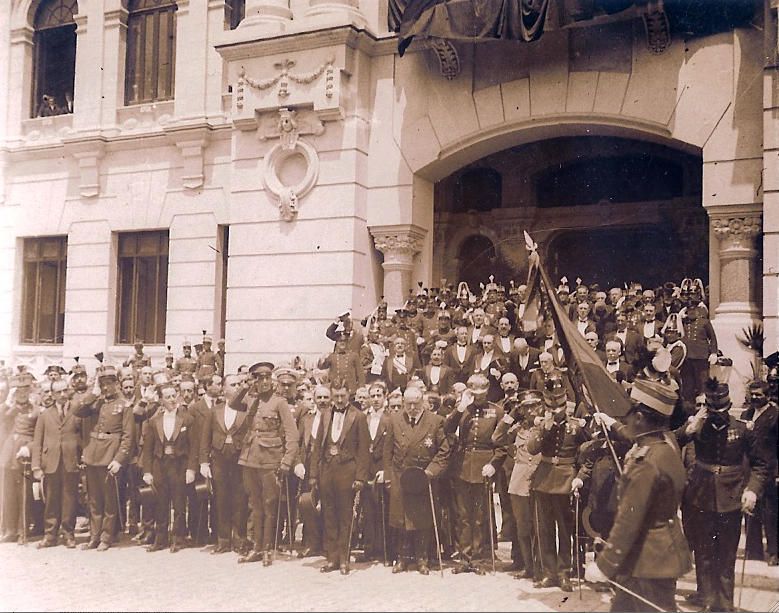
(269, 451)
(109, 448)
(646, 551)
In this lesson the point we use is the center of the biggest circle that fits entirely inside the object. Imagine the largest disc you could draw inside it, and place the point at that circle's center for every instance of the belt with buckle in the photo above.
(333, 450)
(103, 435)
(168, 450)
(557, 460)
(719, 468)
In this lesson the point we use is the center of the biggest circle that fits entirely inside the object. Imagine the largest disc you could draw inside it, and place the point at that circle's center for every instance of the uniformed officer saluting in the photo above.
(646, 551)
(108, 448)
(269, 450)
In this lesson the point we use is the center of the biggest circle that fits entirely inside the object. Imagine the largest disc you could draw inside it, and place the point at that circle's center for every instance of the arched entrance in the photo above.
(607, 209)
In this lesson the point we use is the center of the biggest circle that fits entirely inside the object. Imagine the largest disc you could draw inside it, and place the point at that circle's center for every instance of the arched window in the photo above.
(151, 51)
(235, 11)
(55, 57)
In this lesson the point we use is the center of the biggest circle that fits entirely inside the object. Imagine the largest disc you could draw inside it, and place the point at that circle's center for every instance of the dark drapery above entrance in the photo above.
(526, 20)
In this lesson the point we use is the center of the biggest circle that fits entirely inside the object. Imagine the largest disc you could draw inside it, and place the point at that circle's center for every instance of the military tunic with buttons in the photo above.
(646, 550)
(185, 365)
(24, 419)
(474, 449)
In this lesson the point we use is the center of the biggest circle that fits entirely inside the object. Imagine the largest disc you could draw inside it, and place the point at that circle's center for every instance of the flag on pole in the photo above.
(602, 392)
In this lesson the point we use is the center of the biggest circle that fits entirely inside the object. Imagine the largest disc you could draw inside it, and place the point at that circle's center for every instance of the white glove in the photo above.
(114, 467)
(24, 452)
(96, 388)
(205, 470)
(748, 501)
(495, 373)
(696, 421)
(189, 476)
(488, 470)
(593, 574)
(548, 420)
(300, 471)
(380, 476)
(713, 358)
(602, 418)
(465, 401)
(420, 340)
(147, 478)
(576, 484)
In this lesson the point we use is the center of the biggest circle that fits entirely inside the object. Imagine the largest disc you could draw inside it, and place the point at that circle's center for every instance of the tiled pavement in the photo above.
(128, 578)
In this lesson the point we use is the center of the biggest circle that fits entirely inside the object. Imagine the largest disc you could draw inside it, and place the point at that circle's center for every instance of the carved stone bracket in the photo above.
(88, 154)
(191, 141)
(448, 59)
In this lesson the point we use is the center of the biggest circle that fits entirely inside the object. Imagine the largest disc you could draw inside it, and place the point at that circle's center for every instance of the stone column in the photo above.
(400, 244)
(335, 11)
(736, 232)
(268, 14)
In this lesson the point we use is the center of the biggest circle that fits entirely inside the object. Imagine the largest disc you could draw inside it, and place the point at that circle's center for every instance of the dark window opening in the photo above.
(54, 58)
(143, 287)
(43, 302)
(151, 51)
(235, 11)
(479, 189)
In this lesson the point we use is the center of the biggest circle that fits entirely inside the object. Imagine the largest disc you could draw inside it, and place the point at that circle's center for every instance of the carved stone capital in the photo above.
(737, 232)
(399, 244)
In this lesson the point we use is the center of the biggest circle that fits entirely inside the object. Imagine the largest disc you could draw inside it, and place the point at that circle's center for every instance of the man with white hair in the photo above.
(548, 370)
(523, 361)
(414, 439)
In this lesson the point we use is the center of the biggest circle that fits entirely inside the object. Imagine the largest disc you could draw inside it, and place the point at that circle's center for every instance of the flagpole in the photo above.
(535, 260)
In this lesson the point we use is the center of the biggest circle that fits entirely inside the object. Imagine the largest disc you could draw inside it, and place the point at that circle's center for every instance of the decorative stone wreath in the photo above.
(289, 195)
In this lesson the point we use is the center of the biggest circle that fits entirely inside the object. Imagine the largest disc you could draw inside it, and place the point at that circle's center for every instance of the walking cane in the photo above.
(747, 517)
(538, 536)
(576, 540)
(355, 509)
(435, 528)
(24, 502)
(383, 524)
(490, 515)
(276, 533)
(290, 529)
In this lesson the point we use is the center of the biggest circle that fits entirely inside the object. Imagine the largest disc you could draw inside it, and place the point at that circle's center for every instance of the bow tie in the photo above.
(337, 410)
(400, 356)
(613, 364)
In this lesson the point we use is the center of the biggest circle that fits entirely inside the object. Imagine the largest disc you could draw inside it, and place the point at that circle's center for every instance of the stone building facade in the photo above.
(298, 167)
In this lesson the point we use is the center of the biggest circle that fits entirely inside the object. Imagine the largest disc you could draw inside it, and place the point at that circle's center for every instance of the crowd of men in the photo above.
(396, 442)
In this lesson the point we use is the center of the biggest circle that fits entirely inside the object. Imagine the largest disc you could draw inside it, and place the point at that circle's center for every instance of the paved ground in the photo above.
(129, 578)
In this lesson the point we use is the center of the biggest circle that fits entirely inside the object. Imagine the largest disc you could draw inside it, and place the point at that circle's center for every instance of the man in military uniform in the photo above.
(701, 341)
(15, 454)
(108, 449)
(55, 454)
(646, 551)
(269, 450)
(286, 387)
(415, 439)
(170, 367)
(343, 328)
(206, 365)
(372, 354)
(557, 440)
(221, 441)
(169, 459)
(339, 469)
(186, 363)
(475, 460)
(719, 491)
(344, 364)
(137, 359)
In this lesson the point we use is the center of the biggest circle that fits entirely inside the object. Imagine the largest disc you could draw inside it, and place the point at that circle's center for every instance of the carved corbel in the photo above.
(88, 154)
(191, 142)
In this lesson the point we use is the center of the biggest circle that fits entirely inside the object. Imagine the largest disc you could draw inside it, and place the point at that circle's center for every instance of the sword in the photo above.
(383, 525)
(24, 502)
(435, 528)
(637, 596)
(276, 533)
(576, 540)
(744, 561)
(118, 502)
(289, 517)
(538, 535)
(490, 516)
(355, 510)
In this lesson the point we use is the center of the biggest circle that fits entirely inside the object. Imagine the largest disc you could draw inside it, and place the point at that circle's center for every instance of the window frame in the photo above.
(128, 332)
(61, 260)
(43, 36)
(138, 53)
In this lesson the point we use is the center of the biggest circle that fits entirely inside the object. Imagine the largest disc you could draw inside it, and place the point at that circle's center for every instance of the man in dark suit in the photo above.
(504, 339)
(309, 424)
(480, 327)
(221, 440)
(170, 454)
(401, 365)
(55, 456)
(415, 438)
(460, 356)
(436, 376)
(523, 361)
(632, 343)
(339, 468)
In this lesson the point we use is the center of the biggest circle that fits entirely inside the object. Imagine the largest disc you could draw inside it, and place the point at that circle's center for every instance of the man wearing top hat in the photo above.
(269, 450)
(415, 440)
(646, 551)
(56, 450)
(170, 454)
(719, 490)
(109, 447)
(475, 459)
(15, 453)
